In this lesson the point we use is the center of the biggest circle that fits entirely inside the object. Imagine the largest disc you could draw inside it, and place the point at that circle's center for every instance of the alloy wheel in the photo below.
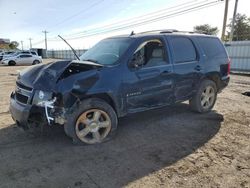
(207, 97)
(93, 126)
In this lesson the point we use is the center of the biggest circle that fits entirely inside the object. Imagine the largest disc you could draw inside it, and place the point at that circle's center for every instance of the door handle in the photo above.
(166, 72)
(197, 68)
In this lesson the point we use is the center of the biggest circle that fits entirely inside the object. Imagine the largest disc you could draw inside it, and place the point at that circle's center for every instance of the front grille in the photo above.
(22, 98)
(21, 86)
(23, 93)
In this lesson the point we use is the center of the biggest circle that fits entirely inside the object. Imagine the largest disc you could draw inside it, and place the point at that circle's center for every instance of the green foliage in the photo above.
(206, 29)
(241, 28)
(13, 45)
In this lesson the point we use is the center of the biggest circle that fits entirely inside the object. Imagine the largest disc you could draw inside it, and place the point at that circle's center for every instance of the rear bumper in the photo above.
(223, 83)
(19, 112)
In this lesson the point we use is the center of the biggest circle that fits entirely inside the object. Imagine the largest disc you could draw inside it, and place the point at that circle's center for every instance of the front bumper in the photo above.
(25, 115)
(4, 62)
(19, 112)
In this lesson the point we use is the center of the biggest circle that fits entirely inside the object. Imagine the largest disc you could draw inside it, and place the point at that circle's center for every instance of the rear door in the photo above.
(25, 59)
(187, 68)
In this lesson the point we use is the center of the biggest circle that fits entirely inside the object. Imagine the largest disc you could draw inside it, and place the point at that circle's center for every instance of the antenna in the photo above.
(73, 50)
(132, 33)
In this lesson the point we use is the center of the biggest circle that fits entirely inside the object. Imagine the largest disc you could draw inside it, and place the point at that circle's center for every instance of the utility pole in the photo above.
(45, 39)
(233, 21)
(30, 42)
(224, 20)
(22, 44)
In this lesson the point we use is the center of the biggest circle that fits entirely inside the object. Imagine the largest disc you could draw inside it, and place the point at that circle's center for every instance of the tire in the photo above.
(35, 62)
(12, 63)
(87, 121)
(204, 99)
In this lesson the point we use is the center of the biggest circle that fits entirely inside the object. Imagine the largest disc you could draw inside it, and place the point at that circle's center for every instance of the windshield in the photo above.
(107, 51)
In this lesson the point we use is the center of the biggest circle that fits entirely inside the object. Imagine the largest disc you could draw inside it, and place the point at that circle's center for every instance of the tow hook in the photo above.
(48, 105)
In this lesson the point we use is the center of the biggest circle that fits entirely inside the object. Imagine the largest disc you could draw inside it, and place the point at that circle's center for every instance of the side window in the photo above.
(184, 50)
(150, 53)
(22, 56)
(212, 47)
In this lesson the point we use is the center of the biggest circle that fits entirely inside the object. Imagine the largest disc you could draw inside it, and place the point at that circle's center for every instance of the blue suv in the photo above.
(119, 76)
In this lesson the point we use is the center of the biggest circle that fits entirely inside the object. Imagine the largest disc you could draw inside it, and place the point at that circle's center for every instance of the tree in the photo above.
(13, 45)
(206, 29)
(241, 27)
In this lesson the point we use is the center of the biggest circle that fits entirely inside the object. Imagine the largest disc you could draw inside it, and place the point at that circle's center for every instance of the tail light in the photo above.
(228, 66)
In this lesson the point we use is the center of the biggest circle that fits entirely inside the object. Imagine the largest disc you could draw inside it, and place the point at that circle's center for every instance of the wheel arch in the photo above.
(105, 97)
(215, 77)
(11, 61)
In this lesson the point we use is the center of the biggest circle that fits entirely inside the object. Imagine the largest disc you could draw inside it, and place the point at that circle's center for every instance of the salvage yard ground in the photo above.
(168, 147)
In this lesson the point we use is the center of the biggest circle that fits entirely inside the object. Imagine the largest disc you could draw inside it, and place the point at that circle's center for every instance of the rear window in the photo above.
(212, 47)
(184, 50)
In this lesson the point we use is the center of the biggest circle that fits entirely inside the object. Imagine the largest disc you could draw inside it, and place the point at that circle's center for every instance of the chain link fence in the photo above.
(238, 51)
(64, 54)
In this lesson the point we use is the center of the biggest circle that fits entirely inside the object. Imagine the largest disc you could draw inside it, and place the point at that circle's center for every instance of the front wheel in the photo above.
(35, 62)
(93, 121)
(205, 98)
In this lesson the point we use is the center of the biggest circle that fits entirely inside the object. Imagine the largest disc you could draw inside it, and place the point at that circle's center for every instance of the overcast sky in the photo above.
(23, 19)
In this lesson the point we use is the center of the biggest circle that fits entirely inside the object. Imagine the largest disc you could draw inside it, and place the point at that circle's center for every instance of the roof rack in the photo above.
(166, 31)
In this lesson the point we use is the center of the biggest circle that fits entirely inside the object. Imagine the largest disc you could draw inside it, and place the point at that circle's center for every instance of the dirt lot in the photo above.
(169, 147)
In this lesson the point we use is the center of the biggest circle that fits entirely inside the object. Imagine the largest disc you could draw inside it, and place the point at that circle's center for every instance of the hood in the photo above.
(45, 76)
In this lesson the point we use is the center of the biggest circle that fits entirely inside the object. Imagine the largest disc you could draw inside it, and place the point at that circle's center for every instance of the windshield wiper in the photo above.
(91, 60)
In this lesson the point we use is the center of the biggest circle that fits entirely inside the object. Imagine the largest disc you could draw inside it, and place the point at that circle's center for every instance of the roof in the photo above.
(162, 32)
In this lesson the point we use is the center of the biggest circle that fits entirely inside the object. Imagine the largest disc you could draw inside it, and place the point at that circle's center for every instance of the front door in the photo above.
(149, 81)
(25, 59)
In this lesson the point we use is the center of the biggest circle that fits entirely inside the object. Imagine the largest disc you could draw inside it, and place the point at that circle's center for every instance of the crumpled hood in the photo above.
(45, 76)
(42, 75)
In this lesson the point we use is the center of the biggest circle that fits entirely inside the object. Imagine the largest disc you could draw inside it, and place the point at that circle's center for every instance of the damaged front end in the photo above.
(44, 94)
(30, 107)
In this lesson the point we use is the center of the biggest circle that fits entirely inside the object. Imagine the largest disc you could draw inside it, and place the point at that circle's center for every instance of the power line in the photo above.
(136, 20)
(152, 14)
(150, 20)
(144, 21)
(77, 14)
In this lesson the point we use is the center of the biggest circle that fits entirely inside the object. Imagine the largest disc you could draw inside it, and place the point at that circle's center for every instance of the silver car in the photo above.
(22, 59)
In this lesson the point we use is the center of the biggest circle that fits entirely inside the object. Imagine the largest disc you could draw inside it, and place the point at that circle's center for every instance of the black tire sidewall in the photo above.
(78, 109)
(35, 62)
(12, 63)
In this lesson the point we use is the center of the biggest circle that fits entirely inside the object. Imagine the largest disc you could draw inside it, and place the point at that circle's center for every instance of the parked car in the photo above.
(22, 59)
(5, 54)
(119, 76)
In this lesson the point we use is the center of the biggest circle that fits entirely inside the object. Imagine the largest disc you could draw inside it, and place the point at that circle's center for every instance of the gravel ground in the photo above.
(168, 147)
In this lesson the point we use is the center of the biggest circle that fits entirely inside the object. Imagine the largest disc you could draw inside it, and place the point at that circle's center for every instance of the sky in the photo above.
(26, 19)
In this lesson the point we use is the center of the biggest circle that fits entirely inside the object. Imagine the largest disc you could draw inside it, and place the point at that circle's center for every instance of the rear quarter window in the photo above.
(183, 49)
(212, 47)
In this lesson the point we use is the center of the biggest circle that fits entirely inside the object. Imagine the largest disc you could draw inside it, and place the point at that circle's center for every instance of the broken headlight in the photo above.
(41, 96)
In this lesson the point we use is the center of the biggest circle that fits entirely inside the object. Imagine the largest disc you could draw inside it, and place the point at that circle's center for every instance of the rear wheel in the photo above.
(94, 121)
(12, 63)
(205, 98)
